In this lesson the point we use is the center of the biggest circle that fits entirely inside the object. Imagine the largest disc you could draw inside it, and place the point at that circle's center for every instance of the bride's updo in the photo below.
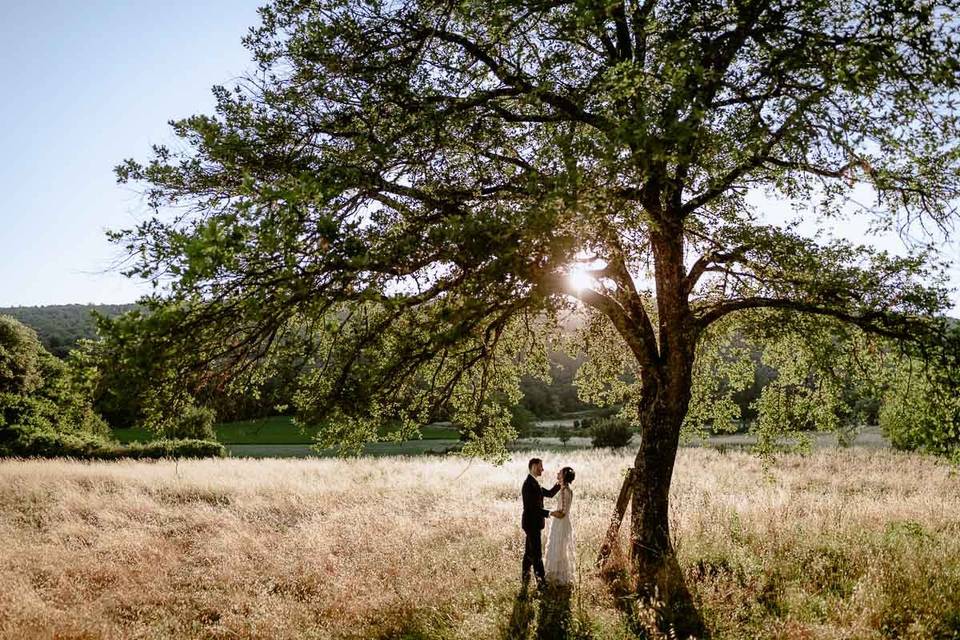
(568, 475)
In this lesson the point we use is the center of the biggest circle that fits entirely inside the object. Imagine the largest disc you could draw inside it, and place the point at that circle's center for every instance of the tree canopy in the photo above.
(401, 193)
(411, 182)
(41, 397)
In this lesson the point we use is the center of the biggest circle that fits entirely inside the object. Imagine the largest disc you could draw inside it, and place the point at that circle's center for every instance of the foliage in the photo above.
(563, 434)
(828, 375)
(921, 411)
(180, 448)
(116, 389)
(61, 326)
(49, 444)
(522, 420)
(400, 190)
(28, 441)
(614, 433)
(42, 399)
(20, 358)
(193, 423)
(558, 395)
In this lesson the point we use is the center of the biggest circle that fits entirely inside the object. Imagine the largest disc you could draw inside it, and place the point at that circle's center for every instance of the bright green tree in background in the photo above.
(44, 407)
(408, 195)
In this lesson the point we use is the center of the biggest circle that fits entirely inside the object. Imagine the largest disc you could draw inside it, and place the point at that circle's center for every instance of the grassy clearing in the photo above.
(274, 430)
(411, 448)
(842, 544)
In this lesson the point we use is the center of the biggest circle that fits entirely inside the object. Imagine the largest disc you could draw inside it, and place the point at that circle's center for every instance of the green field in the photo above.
(278, 436)
(411, 448)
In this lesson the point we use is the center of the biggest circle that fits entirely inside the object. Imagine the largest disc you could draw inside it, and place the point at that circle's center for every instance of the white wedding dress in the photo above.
(561, 559)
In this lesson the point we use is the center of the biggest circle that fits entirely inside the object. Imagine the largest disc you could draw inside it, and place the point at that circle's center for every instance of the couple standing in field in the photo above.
(561, 553)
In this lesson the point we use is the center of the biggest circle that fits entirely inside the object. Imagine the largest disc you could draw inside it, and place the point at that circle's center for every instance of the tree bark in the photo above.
(610, 539)
(660, 581)
(665, 397)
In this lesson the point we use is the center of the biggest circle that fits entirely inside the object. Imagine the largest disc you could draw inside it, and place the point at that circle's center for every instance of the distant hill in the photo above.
(59, 326)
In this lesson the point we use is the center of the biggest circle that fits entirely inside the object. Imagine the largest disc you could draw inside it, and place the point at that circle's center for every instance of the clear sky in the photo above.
(86, 85)
(91, 83)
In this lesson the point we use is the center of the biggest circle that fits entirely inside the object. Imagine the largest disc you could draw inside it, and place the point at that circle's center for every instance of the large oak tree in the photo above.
(401, 190)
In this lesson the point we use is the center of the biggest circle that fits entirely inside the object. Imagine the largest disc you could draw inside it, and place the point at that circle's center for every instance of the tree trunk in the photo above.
(660, 580)
(650, 526)
(665, 397)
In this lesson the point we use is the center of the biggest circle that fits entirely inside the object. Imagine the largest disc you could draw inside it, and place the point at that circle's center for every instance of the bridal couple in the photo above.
(561, 555)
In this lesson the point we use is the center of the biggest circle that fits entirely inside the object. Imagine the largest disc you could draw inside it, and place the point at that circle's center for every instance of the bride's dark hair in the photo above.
(568, 475)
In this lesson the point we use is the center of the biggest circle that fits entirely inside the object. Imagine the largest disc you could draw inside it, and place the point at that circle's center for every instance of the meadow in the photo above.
(279, 437)
(849, 543)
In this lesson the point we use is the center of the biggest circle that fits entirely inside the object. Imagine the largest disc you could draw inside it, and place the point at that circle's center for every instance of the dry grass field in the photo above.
(841, 544)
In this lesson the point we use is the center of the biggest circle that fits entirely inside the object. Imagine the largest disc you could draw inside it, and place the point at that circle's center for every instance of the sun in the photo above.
(580, 278)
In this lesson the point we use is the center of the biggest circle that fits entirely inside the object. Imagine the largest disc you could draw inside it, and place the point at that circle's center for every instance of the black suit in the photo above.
(532, 522)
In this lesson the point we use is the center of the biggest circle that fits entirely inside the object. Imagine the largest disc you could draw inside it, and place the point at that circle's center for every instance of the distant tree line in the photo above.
(60, 326)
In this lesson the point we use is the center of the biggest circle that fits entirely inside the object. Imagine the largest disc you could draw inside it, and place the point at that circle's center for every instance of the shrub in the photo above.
(183, 448)
(522, 420)
(614, 433)
(44, 403)
(563, 433)
(195, 423)
(30, 443)
(46, 443)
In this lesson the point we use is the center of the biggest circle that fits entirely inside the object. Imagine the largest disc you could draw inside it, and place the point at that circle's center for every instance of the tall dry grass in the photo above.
(842, 544)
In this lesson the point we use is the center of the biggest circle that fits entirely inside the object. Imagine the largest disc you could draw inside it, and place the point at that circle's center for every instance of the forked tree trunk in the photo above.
(667, 380)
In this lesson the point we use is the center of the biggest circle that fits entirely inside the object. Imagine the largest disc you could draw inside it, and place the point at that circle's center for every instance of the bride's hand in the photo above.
(556, 514)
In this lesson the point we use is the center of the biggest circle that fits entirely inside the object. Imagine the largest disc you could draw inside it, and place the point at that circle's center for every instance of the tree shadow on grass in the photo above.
(656, 614)
(548, 612)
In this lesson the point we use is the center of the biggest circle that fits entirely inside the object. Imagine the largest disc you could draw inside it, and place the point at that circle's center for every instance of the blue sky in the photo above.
(91, 83)
(88, 84)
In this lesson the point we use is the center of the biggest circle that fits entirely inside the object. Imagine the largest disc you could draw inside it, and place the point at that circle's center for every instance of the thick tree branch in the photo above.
(641, 343)
(516, 79)
(705, 261)
(871, 321)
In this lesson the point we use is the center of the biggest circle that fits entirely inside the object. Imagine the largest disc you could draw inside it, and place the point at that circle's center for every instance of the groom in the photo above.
(533, 519)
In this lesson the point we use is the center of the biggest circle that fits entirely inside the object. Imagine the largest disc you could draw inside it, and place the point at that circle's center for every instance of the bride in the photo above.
(561, 552)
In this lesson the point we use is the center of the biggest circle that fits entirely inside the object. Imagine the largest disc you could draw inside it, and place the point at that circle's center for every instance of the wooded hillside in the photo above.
(59, 326)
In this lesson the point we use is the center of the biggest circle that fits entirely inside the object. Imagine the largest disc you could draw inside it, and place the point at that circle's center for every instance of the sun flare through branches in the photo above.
(579, 277)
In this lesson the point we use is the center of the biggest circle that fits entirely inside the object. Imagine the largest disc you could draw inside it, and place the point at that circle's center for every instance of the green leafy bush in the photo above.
(921, 412)
(20, 358)
(614, 433)
(196, 423)
(48, 444)
(184, 448)
(45, 443)
(46, 409)
(44, 402)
